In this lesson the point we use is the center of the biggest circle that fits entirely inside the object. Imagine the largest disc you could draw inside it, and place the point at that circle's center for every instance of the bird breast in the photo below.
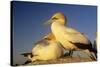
(64, 35)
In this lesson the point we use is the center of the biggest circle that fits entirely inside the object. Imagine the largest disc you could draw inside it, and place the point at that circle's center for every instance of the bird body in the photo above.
(46, 49)
(51, 50)
(65, 34)
(69, 38)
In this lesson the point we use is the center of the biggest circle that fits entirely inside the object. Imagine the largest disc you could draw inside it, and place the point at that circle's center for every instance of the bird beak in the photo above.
(48, 22)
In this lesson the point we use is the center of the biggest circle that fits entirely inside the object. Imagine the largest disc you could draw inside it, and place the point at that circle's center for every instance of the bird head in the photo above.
(57, 17)
(50, 36)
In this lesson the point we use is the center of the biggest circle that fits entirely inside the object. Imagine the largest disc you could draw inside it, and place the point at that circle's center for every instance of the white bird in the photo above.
(69, 38)
(46, 49)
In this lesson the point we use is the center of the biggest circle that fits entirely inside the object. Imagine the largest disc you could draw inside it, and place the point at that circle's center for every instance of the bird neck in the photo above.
(56, 24)
(56, 28)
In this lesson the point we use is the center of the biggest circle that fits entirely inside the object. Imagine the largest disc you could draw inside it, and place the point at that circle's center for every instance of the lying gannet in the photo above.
(46, 49)
(69, 38)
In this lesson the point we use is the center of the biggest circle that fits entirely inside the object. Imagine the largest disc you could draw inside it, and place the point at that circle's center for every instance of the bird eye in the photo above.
(55, 18)
(47, 38)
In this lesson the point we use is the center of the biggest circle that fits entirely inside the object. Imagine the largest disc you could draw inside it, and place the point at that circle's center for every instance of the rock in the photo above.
(62, 60)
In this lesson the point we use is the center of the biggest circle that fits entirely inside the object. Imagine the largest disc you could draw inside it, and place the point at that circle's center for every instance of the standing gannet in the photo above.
(69, 38)
(46, 49)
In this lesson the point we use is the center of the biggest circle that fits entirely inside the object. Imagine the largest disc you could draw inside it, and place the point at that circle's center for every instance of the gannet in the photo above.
(46, 49)
(70, 39)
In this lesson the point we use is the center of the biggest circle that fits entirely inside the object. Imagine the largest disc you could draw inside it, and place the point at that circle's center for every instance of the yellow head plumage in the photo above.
(59, 17)
(50, 36)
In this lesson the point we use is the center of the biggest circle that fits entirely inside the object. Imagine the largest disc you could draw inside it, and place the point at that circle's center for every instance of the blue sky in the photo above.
(28, 19)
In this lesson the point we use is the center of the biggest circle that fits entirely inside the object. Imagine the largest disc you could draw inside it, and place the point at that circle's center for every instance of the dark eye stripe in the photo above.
(54, 18)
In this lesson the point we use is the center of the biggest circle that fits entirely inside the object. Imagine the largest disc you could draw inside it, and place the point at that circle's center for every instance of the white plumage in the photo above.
(69, 38)
(65, 34)
(46, 49)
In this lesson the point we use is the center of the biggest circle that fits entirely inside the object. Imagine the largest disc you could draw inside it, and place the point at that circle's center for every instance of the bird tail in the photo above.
(93, 56)
(93, 53)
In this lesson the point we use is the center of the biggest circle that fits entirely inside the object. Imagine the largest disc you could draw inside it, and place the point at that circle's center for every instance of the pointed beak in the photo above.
(48, 22)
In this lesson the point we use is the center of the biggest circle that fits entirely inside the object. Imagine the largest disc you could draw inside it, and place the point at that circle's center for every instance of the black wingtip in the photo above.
(26, 54)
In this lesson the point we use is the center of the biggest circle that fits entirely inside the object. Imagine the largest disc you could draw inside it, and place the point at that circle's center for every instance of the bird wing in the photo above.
(75, 36)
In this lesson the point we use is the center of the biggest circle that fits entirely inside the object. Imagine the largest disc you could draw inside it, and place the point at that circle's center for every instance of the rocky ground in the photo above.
(62, 60)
